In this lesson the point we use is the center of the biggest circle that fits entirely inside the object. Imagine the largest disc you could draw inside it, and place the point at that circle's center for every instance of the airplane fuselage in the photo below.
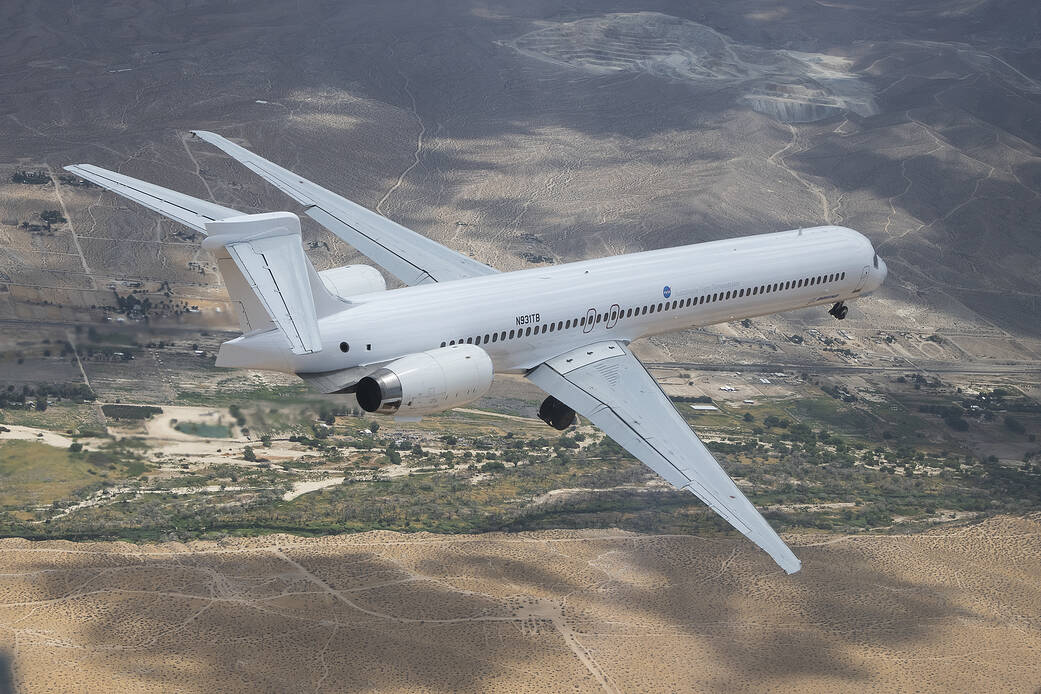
(525, 317)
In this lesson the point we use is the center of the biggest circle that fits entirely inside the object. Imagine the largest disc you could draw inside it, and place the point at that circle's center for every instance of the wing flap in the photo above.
(412, 258)
(607, 384)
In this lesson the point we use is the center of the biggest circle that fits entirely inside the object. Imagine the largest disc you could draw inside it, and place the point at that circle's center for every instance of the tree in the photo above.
(1014, 425)
(374, 426)
(248, 454)
(748, 417)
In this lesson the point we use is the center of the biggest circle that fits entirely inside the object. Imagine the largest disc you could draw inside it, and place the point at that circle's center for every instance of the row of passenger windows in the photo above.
(650, 308)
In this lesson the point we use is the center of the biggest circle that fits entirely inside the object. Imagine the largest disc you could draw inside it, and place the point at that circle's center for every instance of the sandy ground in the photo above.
(161, 427)
(16, 431)
(952, 610)
(301, 488)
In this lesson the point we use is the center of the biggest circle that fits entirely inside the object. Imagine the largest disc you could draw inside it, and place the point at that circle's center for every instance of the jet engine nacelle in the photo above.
(427, 382)
(352, 280)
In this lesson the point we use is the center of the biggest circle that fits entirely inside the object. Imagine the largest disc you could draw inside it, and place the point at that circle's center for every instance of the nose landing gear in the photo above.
(839, 310)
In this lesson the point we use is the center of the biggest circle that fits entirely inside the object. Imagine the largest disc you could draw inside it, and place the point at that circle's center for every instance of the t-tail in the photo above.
(270, 280)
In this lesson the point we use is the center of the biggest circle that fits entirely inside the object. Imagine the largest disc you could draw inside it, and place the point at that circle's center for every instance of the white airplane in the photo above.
(436, 343)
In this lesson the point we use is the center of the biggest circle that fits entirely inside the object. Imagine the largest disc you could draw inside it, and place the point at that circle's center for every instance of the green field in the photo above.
(34, 474)
(62, 416)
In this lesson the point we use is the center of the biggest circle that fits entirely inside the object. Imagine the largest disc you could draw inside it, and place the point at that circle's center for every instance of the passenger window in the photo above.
(843, 276)
(629, 313)
(443, 344)
(567, 324)
(527, 333)
(552, 327)
(675, 304)
(645, 310)
(495, 337)
(544, 329)
(511, 334)
(560, 325)
(451, 342)
(469, 340)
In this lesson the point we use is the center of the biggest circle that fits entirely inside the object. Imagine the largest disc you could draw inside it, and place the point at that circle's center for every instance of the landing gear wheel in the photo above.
(839, 310)
(556, 414)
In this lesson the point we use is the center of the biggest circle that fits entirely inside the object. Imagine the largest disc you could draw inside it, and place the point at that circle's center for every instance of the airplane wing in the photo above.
(412, 258)
(609, 386)
(179, 207)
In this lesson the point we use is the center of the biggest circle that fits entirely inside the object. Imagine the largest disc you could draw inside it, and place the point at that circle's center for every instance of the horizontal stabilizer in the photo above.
(189, 211)
(268, 251)
(411, 257)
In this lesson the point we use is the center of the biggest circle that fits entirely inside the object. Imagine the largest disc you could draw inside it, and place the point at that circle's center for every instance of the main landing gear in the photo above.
(839, 310)
(556, 414)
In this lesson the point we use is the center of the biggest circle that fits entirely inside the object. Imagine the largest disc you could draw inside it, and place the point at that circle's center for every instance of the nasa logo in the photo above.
(667, 291)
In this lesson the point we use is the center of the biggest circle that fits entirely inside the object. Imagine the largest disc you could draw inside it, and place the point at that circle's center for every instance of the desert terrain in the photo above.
(530, 134)
(586, 611)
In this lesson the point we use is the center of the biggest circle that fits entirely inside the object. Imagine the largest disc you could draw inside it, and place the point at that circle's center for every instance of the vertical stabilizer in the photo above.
(268, 259)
